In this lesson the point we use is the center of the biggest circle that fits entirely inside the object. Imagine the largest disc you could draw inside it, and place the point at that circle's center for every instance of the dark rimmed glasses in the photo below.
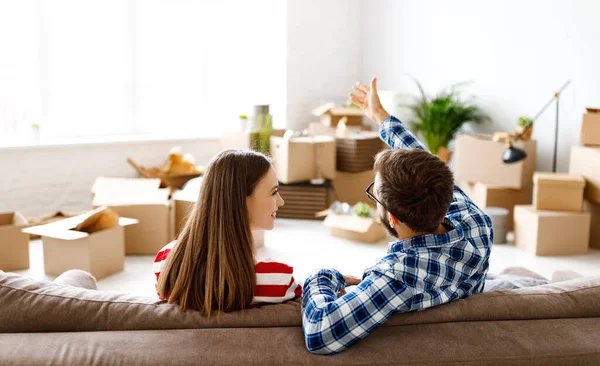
(371, 195)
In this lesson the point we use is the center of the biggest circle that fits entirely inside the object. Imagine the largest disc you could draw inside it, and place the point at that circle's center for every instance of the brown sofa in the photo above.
(48, 323)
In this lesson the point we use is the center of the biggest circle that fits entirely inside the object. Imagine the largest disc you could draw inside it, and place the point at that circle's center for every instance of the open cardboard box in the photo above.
(141, 199)
(479, 159)
(363, 229)
(331, 114)
(300, 159)
(14, 244)
(101, 253)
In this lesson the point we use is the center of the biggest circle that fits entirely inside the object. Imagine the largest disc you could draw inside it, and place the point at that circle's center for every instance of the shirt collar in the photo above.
(429, 240)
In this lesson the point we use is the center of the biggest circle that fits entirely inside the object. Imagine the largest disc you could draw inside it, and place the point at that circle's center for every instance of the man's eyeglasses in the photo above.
(371, 196)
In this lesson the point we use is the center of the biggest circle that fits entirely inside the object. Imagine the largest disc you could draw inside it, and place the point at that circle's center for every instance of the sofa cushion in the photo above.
(39, 306)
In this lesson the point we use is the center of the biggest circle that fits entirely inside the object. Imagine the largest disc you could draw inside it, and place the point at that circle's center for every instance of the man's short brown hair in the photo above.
(415, 186)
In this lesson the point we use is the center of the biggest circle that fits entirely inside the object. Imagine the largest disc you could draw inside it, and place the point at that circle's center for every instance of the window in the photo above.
(161, 67)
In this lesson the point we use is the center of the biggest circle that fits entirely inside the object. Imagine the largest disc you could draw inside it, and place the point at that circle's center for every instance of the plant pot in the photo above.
(444, 154)
(527, 135)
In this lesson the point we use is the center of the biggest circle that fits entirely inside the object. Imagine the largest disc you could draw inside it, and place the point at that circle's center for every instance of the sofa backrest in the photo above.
(40, 306)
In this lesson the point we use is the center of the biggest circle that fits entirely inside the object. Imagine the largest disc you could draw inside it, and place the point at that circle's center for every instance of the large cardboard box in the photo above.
(363, 229)
(141, 199)
(551, 232)
(594, 210)
(351, 187)
(300, 159)
(101, 253)
(485, 195)
(585, 161)
(14, 244)
(479, 159)
(558, 192)
(331, 115)
(590, 128)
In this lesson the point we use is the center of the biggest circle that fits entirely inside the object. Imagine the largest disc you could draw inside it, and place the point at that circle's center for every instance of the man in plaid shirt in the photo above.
(441, 253)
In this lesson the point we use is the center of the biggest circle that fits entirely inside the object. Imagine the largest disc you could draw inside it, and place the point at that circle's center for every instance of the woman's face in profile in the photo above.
(264, 202)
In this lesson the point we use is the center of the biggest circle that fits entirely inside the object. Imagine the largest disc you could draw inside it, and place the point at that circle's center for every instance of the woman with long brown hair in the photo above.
(212, 266)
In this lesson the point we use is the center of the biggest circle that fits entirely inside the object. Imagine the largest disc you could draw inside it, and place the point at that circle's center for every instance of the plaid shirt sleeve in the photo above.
(332, 324)
(393, 133)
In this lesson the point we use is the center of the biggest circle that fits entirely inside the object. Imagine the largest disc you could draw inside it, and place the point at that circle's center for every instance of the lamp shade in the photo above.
(513, 155)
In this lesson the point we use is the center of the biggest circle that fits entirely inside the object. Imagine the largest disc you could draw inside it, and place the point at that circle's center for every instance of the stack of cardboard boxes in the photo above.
(487, 180)
(585, 161)
(555, 224)
(561, 221)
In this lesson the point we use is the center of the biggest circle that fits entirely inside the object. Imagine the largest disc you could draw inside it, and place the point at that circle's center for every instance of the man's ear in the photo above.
(392, 220)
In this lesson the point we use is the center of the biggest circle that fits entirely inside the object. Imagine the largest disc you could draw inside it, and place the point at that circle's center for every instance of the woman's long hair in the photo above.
(212, 265)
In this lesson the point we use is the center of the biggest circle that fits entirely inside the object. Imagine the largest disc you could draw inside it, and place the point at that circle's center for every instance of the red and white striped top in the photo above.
(275, 282)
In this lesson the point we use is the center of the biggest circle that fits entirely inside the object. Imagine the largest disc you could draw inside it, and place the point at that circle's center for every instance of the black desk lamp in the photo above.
(513, 154)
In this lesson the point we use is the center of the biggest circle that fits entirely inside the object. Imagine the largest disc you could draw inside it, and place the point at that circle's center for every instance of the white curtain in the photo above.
(169, 68)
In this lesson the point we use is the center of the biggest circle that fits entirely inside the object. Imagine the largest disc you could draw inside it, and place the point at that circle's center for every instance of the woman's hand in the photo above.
(368, 100)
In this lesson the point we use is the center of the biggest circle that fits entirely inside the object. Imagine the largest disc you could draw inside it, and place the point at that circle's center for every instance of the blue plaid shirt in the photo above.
(416, 274)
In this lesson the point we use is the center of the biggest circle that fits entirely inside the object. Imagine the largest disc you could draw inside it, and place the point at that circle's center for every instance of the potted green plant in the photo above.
(525, 127)
(439, 118)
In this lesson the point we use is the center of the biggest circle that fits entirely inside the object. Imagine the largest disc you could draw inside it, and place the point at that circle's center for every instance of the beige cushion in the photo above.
(39, 306)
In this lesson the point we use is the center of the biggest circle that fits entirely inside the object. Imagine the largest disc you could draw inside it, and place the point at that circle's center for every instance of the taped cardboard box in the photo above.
(479, 159)
(331, 114)
(590, 127)
(141, 199)
(14, 244)
(551, 232)
(594, 210)
(351, 187)
(363, 229)
(585, 161)
(66, 246)
(300, 159)
(485, 195)
(558, 192)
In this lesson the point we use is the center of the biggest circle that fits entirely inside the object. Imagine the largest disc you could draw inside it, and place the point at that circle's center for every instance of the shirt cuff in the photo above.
(333, 276)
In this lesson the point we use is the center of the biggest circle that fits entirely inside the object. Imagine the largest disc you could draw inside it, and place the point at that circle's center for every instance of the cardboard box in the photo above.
(356, 153)
(479, 159)
(14, 244)
(558, 192)
(331, 114)
(141, 199)
(183, 202)
(551, 232)
(594, 210)
(304, 200)
(585, 161)
(351, 187)
(590, 128)
(101, 253)
(363, 229)
(485, 195)
(300, 159)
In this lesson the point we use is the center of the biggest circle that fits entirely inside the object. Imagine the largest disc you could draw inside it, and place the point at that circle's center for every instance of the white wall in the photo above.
(323, 55)
(39, 180)
(517, 53)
